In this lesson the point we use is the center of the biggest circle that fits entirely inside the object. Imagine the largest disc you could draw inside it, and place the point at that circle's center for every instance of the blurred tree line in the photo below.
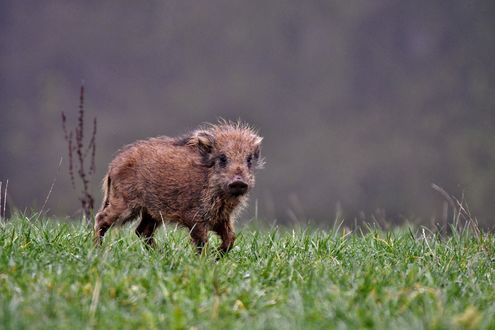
(363, 104)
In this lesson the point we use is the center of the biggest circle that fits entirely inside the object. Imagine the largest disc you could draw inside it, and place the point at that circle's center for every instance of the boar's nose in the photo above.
(238, 186)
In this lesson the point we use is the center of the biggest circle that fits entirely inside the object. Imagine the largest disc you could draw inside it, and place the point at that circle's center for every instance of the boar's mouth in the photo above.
(237, 188)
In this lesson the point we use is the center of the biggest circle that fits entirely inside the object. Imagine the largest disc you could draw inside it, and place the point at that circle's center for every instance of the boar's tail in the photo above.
(106, 191)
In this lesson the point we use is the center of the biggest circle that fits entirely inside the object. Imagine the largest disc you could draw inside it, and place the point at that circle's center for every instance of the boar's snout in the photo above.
(237, 186)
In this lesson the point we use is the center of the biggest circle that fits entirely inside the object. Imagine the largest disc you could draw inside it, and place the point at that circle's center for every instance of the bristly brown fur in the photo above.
(199, 180)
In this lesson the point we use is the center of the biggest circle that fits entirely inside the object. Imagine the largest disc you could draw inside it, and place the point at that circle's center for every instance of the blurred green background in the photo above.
(363, 104)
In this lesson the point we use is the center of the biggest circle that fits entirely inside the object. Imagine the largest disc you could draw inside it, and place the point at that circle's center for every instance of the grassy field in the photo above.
(51, 277)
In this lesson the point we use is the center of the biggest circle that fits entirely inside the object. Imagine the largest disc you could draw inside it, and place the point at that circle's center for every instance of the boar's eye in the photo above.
(249, 160)
(222, 160)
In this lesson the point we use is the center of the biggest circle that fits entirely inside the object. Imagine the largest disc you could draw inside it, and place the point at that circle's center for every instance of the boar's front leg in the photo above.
(225, 230)
(199, 235)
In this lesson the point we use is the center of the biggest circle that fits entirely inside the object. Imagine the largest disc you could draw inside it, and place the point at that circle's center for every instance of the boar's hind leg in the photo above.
(110, 214)
(146, 228)
(199, 235)
(226, 232)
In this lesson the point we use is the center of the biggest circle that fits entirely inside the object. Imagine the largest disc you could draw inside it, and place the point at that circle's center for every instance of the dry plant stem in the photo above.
(449, 202)
(68, 139)
(5, 199)
(0, 199)
(51, 189)
(76, 148)
(460, 210)
(444, 194)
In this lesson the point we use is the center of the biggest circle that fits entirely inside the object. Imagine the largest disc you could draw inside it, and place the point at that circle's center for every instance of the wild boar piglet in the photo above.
(199, 180)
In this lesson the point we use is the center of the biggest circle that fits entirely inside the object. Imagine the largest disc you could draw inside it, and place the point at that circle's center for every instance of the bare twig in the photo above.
(68, 139)
(460, 210)
(5, 199)
(91, 150)
(444, 194)
(0, 200)
(76, 148)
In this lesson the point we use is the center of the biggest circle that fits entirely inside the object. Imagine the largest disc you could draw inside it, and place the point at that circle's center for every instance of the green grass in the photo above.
(51, 277)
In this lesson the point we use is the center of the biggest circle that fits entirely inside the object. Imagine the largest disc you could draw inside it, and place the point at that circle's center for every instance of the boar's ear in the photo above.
(257, 146)
(260, 161)
(202, 140)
